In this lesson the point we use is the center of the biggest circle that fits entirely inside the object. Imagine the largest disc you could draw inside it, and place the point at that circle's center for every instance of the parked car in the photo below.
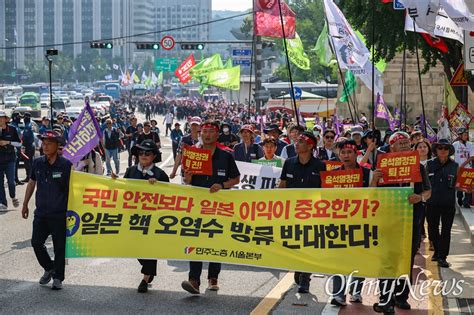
(73, 112)
(64, 96)
(44, 100)
(10, 101)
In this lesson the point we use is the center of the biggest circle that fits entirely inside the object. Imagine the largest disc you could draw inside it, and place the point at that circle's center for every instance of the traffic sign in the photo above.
(458, 78)
(166, 64)
(468, 50)
(242, 62)
(167, 42)
(298, 92)
(397, 5)
(241, 52)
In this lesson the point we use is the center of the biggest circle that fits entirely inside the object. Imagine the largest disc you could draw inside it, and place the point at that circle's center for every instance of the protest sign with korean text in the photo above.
(307, 230)
(255, 176)
(197, 160)
(465, 179)
(182, 72)
(401, 167)
(275, 163)
(342, 179)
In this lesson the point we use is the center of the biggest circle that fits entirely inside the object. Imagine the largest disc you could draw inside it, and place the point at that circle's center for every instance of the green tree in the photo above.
(390, 36)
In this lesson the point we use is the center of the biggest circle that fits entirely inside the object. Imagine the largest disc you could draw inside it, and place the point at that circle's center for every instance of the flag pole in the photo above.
(252, 58)
(403, 85)
(373, 64)
(292, 93)
(419, 78)
(326, 77)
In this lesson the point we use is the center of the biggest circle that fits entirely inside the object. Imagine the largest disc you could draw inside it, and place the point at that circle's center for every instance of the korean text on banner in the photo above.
(301, 229)
(197, 160)
(255, 176)
(331, 165)
(402, 167)
(84, 136)
(342, 179)
(182, 72)
(465, 179)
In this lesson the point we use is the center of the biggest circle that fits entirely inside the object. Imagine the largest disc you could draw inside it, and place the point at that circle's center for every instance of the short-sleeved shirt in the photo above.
(52, 186)
(299, 175)
(8, 152)
(223, 169)
(188, 139)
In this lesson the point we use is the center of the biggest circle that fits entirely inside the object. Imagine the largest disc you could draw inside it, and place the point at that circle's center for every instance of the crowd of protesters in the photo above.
(233, 134)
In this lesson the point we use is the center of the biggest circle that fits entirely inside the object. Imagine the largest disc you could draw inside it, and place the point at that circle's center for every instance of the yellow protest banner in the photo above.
(311, 230)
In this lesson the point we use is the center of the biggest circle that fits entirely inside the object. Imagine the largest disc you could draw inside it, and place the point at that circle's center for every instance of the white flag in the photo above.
(83, 68)
(99, 67)
(91, 67)
(154, 79)
(73, 69)
(116, 67)
(445, 27)
(459, 12)
(424, 12)
(339, 28)
(107, 66)
(144, 77)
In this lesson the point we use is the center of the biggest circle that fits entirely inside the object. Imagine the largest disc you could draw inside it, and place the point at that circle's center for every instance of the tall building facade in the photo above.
(56, 22)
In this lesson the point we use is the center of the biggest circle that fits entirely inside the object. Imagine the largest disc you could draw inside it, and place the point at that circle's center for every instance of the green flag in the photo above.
(225, 78)
(350, 86)
(322, 48)
(228, 64)
(449, 99)
(148, 81)
(296, 53)
(207, 65)
(160, 78)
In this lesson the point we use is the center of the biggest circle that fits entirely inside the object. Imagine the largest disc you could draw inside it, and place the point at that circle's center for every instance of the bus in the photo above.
(278, 89)
(31, 102)
(113, 90)
(38, 88)
(139, 90)
(10, 90)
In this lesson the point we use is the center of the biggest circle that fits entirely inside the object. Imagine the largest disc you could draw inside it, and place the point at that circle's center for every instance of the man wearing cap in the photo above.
(191, 139)
(50, 175)
(398, 295)
(9, 141)
(356, 135)
(176, 135)
(129, 133)
(226, 137)
(442, 172)
(225, 175)
(275, 132)
(302, 171)
(464, 150)
(247, 150)
(416, 136)
(45, 125)
(111, 144)
(147, 153)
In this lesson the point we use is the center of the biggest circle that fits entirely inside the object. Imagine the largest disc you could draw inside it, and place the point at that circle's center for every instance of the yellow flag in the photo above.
(136, 78)
(450, 99)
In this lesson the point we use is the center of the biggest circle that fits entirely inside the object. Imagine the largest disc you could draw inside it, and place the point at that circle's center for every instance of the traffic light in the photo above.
(147, 45)
(102, 45)
(192, 46)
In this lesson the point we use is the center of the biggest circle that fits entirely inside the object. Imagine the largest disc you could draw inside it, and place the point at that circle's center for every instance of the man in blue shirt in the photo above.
(51, 171)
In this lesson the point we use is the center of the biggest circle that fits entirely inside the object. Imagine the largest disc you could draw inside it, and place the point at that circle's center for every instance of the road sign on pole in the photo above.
(237, 52)
(397, 5)
(241, 62)
(298, 92)
(167, 42)
(166, 64)
(458, 78)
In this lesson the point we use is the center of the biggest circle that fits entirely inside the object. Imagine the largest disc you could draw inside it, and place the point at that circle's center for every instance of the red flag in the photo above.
(436, 42)
(182, 72)
(387, 1)
(267, 19)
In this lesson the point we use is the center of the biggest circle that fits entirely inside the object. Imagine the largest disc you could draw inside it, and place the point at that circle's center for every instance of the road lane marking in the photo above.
(274, 296)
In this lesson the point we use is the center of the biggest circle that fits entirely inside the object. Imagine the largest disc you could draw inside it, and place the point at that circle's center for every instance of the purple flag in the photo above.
(382, 112)
(336, 125)
(84, 136)
(397, 117)
(431, 136)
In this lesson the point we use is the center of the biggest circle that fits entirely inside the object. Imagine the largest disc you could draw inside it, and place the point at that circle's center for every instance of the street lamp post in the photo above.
(49, 54)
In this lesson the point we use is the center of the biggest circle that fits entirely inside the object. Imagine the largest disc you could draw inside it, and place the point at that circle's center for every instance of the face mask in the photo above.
(316, 133)
(225, 129)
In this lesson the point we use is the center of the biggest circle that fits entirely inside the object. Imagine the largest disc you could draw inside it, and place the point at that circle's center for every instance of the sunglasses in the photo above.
(443, 147)
(328, 137)
(145, 153)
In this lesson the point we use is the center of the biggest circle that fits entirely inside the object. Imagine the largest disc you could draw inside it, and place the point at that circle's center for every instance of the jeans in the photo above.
(7, 169)
(339, 286)
(441, 240)
(56, 227)
(112, 154)
(195, 270)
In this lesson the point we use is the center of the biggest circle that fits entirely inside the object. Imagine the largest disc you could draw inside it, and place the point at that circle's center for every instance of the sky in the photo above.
(231, 5)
